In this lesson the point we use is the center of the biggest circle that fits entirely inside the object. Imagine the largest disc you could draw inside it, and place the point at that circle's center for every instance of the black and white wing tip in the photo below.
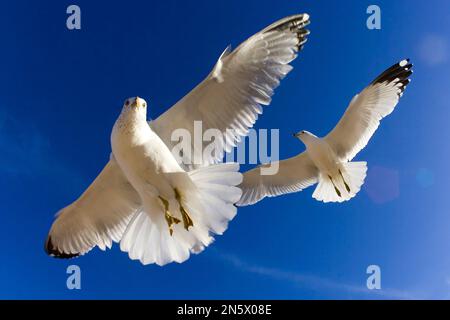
(398, 75)
(296, 24)
(53, 251)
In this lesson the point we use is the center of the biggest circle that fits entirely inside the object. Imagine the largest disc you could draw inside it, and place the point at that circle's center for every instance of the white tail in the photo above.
(208, 196)
(343, 185)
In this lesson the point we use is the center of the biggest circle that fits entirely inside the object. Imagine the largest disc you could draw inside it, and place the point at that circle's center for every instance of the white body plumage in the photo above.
(320, 152)
(178, 211)
(328, 161)
(131, 198)
(141, 154)
(338, 180)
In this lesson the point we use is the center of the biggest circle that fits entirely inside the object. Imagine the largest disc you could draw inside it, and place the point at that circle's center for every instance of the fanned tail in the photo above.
(207, 199)
(343, 185)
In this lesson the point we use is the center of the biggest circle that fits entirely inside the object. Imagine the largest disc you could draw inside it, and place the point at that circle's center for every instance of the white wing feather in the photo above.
(294, 174)
(363, 115)
(232, 95)
(97, 218)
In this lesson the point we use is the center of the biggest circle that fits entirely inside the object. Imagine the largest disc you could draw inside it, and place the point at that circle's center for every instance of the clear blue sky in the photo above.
(61, 91)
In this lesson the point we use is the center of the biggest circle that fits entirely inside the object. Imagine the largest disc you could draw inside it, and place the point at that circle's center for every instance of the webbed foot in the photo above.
(345, 183)
(187, 221)
(171, 220)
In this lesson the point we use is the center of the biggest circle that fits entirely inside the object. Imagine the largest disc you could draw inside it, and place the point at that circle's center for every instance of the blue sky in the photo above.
(61, 91)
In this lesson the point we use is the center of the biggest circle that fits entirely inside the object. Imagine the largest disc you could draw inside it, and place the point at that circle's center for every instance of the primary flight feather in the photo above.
(327, 161)
(159, 209)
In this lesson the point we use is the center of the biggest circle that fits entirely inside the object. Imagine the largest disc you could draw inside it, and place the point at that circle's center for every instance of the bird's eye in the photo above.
(127, 102)
(144, 104)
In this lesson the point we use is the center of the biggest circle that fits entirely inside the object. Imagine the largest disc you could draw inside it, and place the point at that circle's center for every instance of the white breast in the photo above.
(140, 153)
(322, 155)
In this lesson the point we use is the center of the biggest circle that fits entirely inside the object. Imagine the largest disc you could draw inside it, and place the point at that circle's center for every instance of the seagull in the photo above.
(328, 161)
(160, 208)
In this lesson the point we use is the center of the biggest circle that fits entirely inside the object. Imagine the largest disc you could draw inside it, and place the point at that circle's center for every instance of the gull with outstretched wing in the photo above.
(327, 161)
(161, 210)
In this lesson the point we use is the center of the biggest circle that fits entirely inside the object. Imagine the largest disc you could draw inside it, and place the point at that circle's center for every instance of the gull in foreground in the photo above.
(327, 161)
(161, 210)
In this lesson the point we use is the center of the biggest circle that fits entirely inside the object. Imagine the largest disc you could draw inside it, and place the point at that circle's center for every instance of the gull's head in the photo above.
(135, 103)
(304, 136)
(135, 108)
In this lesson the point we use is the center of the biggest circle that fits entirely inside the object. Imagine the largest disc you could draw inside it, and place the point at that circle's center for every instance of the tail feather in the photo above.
(208, 197)
(218, 194)
(355, 173)
(343, 185)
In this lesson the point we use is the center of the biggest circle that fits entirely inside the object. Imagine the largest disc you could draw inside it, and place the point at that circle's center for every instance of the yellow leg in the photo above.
(187, 221)
(345, 183)
(171, 220)
(335, 188)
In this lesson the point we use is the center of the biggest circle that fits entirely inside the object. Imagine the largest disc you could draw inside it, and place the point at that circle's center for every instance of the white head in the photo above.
(135, 103)
(304, 136)
(135, 106)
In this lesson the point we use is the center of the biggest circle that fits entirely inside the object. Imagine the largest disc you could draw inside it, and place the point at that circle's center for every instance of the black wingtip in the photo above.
(296, 21)
(296, 24)
(52, 251)
(398, 73)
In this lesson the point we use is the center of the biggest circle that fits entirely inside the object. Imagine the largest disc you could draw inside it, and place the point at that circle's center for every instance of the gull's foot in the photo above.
(345, 183)
(171, 220)
(335, 188)
(187, 221)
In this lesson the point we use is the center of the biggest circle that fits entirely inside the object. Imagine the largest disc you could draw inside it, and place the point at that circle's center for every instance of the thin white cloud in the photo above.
(312, 282)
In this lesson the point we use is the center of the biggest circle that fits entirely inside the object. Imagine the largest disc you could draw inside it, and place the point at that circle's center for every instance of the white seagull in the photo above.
(327, 161)
(161, 210)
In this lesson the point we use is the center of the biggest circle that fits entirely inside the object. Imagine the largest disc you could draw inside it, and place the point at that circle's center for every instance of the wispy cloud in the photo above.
(309, 281)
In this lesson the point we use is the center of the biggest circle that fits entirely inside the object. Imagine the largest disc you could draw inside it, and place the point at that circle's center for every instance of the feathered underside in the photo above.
(231, 97)
(363, 115)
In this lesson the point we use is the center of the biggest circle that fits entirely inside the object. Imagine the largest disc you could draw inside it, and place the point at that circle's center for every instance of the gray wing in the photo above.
(232, 94)
(363, 115)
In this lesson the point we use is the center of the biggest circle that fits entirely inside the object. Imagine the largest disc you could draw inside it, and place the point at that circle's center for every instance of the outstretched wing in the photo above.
(97, 218)
(294, 174)
(363, 115)
(232, 94)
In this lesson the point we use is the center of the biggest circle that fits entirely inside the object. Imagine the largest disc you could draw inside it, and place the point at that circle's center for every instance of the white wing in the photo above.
(363, 115)
(97, 218)
(294, 174)
(232, 94)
